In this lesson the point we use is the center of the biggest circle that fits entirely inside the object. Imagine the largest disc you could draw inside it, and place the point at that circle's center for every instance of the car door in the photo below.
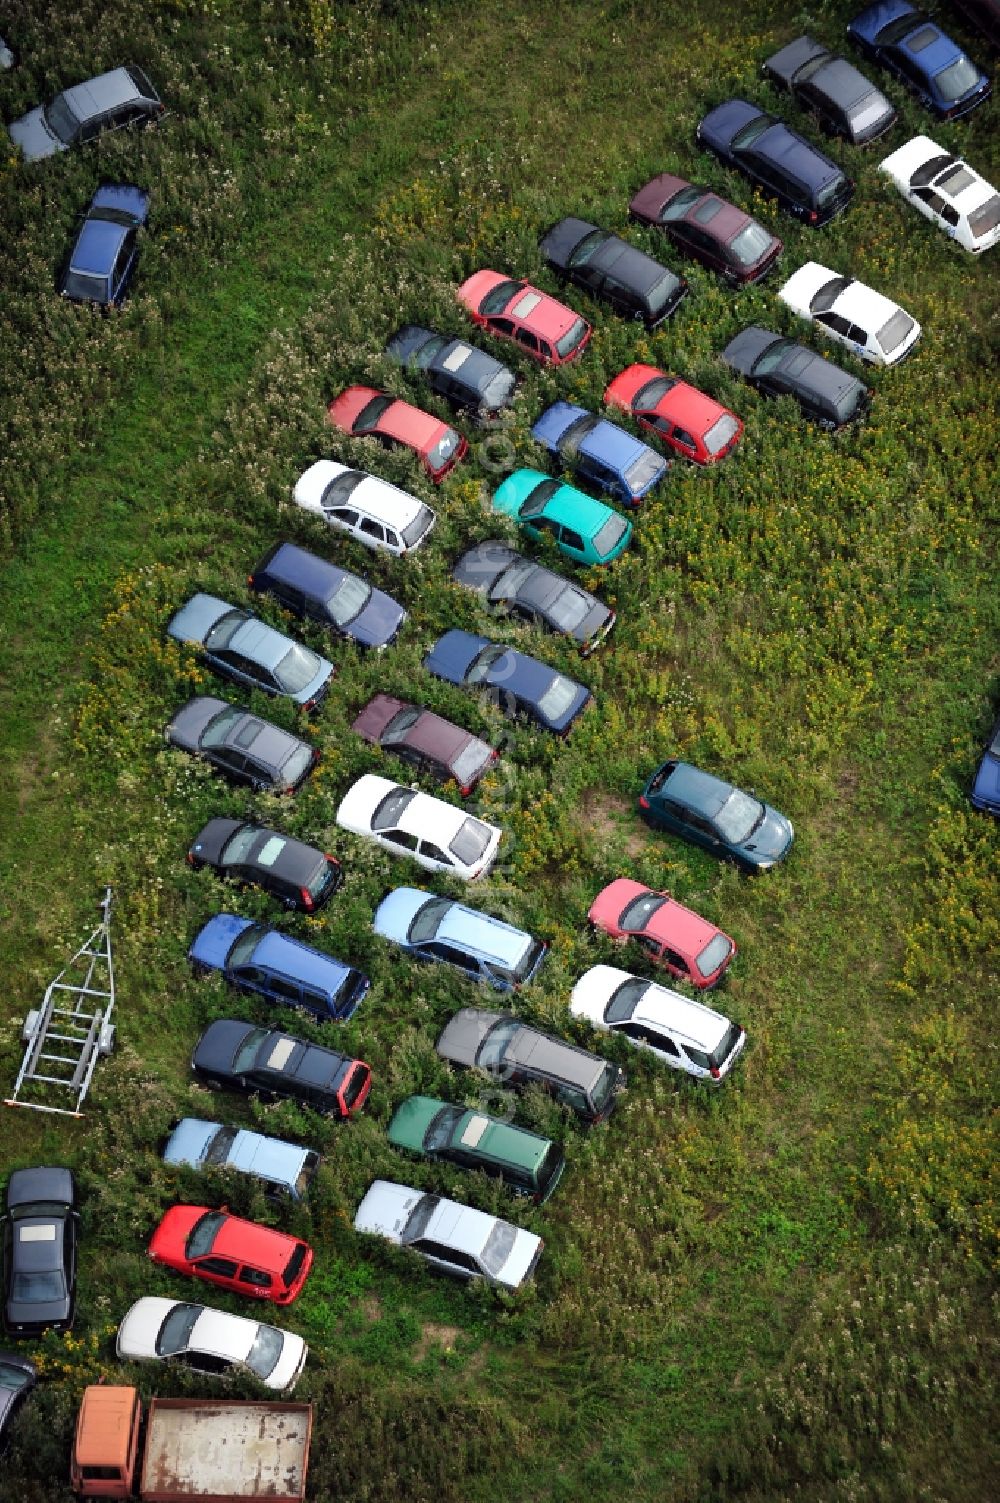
(398, 841)
(571, 542)
(429, 851)
(704, 249)
(219, 1270)
(527, 341)
(255, 1281)
(700, 830)
(497, 324)
(343, 516)
(447, 1258)
(451, 955)
(836, 325)
(235, 763)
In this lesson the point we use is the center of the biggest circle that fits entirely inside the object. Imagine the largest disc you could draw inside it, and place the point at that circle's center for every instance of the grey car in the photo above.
(18, 1377)
(530, 592)
(520, 1056)
(780, 367)
(39, 1251)
(453, 1238)
(250, 652)
(241, 745)
(843, 100)
(122, 97)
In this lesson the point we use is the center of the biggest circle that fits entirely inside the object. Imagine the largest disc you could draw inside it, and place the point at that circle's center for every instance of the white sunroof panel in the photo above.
(474, 1131)
(457, 358)
(526, 304)
(280, 1054)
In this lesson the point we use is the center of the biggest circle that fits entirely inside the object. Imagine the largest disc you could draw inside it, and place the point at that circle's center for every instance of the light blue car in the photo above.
(284, 1167)
(249, 651)
(482, 947)
(601, 452)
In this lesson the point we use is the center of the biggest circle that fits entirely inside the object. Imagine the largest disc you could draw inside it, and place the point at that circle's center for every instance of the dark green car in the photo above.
(529, 1164)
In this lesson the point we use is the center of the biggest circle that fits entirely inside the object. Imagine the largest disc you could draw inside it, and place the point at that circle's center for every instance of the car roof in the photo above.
(785, 148)
(269, 744)
(478, 1133)
(105, 92)
(293, 957)
(700, 790)
(483, 935)
(96, 247)
(298, 566)
(551, 1056)
(462, 1228)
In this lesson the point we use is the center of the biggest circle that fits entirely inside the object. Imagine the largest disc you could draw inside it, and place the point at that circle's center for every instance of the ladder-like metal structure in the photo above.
(72, 1029)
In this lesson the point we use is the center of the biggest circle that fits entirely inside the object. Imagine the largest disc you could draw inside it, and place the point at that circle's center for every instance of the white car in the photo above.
(457, 1239)
(683, 1033)
(372, 511)
(948, 191)
(873, 326)
(210, 1341)
(405, 822)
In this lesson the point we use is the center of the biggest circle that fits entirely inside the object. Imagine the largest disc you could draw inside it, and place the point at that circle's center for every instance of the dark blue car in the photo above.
(316, 590)
(778, 160)
(601, 452)
(711, 813)
(520, 685)
(904, 40)
(986, 788)
(257, 958)
(102, 262)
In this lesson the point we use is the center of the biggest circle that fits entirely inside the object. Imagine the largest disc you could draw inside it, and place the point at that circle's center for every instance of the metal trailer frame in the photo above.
(74, 1019)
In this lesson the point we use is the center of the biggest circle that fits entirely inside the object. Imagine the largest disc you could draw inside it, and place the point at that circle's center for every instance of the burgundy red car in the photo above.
(425, 740)
(541, 325)
(707, 228)
(236, 1254)
(680, 415)
(366, 413)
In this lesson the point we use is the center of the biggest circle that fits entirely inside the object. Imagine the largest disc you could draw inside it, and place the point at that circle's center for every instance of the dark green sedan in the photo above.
(529, 1164)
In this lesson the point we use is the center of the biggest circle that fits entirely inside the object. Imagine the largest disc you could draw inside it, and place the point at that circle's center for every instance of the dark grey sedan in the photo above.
(39, 1251)
(781, 367)
(18, 1377)
(124, 96)
(607, 266)
(530, 592)
(467, 377)
(298, 875)
(843, 100)
(240, 744)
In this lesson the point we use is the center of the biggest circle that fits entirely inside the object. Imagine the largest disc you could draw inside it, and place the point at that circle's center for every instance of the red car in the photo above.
(239, 1255)
(431, 744)
(545, 328)
(681, 941)
(708, 228)
(367, 413)
(680, 415)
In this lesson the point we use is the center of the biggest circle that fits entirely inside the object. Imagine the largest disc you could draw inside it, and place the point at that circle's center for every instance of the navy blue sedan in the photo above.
(102, 262)
(316, 590)
(713, 814)
(986, 788)
(904, 40)
(520, 685)
(779, 161)
(600, 452)
(257, 958)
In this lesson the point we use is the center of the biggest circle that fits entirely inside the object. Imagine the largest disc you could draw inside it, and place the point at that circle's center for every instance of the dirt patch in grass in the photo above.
(432, 1335)
(610, 819)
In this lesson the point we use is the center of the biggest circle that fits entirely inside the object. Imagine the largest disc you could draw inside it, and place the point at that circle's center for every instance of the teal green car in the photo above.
(584, 529)
(529, 1164)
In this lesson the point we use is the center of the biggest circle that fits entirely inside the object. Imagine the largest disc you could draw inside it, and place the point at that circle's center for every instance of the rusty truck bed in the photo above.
(225, 1451)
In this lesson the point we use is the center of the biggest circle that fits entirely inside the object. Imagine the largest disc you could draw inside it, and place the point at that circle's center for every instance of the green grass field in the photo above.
(780, 1291)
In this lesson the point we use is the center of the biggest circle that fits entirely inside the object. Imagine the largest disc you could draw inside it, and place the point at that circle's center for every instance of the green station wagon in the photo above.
(529, 1164)
(584, 529)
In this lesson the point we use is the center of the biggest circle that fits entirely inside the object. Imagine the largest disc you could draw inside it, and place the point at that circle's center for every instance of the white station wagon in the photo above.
(947, 191)
(210, 1341)
(873, 326)
(681, 1032)
(457, 1239)
(437, 835)
(372, 511)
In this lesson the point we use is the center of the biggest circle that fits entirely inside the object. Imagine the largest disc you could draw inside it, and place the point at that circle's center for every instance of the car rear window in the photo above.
(268, 1345)
(722, 431)
(894, 331)
(607, 538)
(80, 284)
(723, 1050)
(569, 608)
(558, 697)
(984, 219)
(341, 489)
(714, 953)
(958, 79)
(357, 1081)
(415, 530)
(499, 1245)
(294, 1264)
(750, 244)
(661, 292)
(647, 468)
(471, 841)
(497, 390)
(572, 338)
(867, 112)
(829, 194)
(469, 763)
(851, 401)
(309, 1165)
(317, 883)
(297, 668)
(445, 447)
(604, 1087)
(348, 599)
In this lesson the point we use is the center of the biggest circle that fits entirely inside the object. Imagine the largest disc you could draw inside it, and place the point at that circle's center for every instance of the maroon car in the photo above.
(707, 228)
(424, 739)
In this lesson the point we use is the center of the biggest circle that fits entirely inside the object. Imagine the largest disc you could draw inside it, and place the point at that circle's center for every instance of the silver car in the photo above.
(457, 1239)
(250, 652)
(122, 97)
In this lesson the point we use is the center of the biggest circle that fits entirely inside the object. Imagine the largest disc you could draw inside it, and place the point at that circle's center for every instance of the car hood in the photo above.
(138, 1331)
(285, 1373)
(554, 421)
(216, 1049)
(622, 390)
(721, 124)
(742, 353)
(378, 621)
(771, 840)
(411, 1120)
(34, 137)
(521, 1260)
(452, 655)
(26, 1186)
(483, 564)
(211, 841)
(188, 725)
(559, 243)
(215, 939)
(461, 1038)
(590, 994)
(902, 163)
(785, 64)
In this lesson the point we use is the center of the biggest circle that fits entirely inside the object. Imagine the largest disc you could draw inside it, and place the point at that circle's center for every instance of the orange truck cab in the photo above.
(107, 1442)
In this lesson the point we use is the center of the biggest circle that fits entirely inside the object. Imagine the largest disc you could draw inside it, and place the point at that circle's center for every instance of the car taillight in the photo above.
(643, 801)
(250, 580)
(307, 897)
(716, 1075)
(310, 704)
(189, 859)
(813, 216)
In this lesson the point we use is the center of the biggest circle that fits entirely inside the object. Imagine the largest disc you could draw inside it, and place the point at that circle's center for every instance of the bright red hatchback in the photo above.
(544, 327)
(692, 423)
(678, 939)
(367, 413)
(240, 1255)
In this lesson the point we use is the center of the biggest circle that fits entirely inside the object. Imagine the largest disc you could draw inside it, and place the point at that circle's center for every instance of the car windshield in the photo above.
(217, 730)
(175, 1332)
(644, 471)
(419, 1217)
(400, 725)
(954, 81)
(739, 817)
(637, 915)
(341, 489)
(494, 1045)
(677, 207)
(348, 599)
(569, 608)
(371, 412)
(297, 668)
(414, 531)
(217, 1151)
(482, 664)
(984, 219)
(499, 296)
(723, 1050)
(204, 1233)
(647, 396)
(61, 120)
(604, 1087)
(39, 1288)
(237, 848)
(748, 135)
(607, 538)
(424, 356)
(624, 999)
(297, 764)
(224, 630)
(443, 449)
(536, 501)
(262, 1357)
(894, 331)
(498, 1247)
(585, 248)
(772, 357)
(573, 337)
(12, 1377)
(720, 433)
(426, 920)
(392, 807)
(558, 697)
(244, 945)
(471, 841)
(497, 390)
(751, 243)
(824, 299)
(714, 953)
(866, 112)
(246, 1055)
(442, 1129)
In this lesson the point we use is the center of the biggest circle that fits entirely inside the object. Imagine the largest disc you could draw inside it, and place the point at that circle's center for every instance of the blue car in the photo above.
(250, 652)
(102, 262)
(779, 161)
(904, 40)
(600, 451)
(715, 815)
(483, 948)
(257, 958)
(986, 788)
(285, 1168)
(522, 686)
(319, 591)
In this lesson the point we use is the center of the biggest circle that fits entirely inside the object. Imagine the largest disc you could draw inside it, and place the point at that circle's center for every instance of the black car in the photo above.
(607, 266)
(781, 367)
(531, 592)
(310, 587)
(781, 163)
(235, 1055)
(465, 376)
(39, 1251)
(299, 875)
(249, 749)
(843, 100)
(18, 1377)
